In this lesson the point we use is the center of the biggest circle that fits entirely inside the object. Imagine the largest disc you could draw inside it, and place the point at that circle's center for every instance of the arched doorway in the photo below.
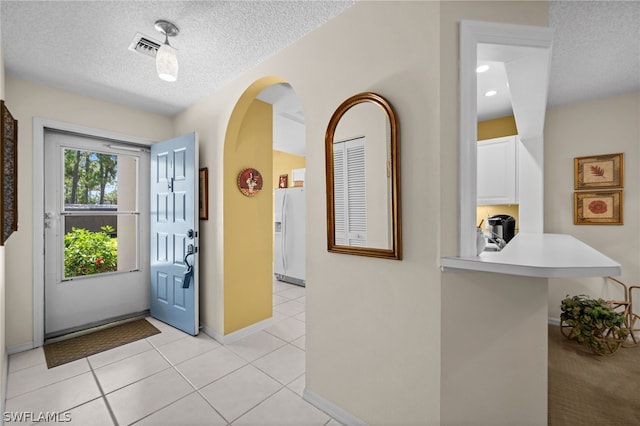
(255, 124)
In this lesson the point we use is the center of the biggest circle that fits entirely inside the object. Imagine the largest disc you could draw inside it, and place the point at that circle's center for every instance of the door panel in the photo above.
(95, 233)
(174, 230)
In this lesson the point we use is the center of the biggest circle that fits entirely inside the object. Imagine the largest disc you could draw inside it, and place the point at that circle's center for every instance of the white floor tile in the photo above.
(26, 359)
(167, 334)
(240, 391)
(277, 299)
(298, 385)
(279, 286)
(284, 408)
(278, 316)
(302, 316)
(210, 366)
(31, 378)
(300, 342)
(192, 410)
(121, 352)
(183, 349)
(288, 329)
(153, 381)
(294, 292)
(290, 308)
(284, 364)
(122, 373)
(93, 413)
(58, 397)
(147, 396)
(256, 345)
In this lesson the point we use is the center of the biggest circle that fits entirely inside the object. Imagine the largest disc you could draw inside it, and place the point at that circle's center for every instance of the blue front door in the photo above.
(174, 232)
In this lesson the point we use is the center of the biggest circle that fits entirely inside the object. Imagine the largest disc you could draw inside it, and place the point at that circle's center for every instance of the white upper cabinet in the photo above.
(498, 171)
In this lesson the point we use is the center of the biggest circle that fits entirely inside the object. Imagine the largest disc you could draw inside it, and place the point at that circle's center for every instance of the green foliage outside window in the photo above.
(87, 252)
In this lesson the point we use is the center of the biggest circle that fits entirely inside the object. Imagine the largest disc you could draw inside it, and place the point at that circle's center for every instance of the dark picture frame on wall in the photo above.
(203, 202)
(283, 181)
(9, 174)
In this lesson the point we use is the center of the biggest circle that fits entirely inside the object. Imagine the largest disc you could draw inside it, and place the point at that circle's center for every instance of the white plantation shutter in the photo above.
(350, 193)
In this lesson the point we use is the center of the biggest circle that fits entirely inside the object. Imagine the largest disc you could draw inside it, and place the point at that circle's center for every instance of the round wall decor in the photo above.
(250, 182)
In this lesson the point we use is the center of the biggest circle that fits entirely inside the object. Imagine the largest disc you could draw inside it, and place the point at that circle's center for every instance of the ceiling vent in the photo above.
(145, 45)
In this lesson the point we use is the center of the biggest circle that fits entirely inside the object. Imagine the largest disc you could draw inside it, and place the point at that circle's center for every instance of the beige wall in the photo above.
(603, 126)
(492, 325)
(373, 325)
(29, 100)
(3, 318)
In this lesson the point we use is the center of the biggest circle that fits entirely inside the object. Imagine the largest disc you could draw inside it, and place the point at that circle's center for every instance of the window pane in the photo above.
(90, 178)
(91, 244)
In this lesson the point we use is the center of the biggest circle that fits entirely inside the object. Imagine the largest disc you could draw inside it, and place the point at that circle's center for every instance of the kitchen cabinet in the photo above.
(498, 171)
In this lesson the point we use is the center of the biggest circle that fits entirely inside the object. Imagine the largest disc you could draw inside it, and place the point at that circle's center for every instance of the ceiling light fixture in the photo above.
(166, 58)
(482, 68)
(491, 93)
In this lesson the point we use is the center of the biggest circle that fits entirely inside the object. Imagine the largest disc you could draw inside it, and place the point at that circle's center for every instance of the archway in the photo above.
(248, 219)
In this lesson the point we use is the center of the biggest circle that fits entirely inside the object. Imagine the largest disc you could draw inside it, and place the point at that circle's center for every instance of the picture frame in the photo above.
(8, 174)
(599, 171)
(203, 202)
(598, 208)
(250, 182)
(283, 181)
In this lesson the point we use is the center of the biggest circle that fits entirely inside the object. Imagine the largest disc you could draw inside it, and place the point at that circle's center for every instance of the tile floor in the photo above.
(175, 379)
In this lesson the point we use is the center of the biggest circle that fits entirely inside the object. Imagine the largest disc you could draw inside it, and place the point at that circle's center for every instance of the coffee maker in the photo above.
(501, 227)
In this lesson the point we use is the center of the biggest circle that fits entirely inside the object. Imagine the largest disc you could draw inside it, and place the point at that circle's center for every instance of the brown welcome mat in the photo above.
(90, 344)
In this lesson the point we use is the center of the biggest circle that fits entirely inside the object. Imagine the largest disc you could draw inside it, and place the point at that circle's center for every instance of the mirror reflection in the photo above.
(362, 178)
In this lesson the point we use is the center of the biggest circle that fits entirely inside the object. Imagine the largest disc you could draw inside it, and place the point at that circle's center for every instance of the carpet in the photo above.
(587, 389)
(65, 351)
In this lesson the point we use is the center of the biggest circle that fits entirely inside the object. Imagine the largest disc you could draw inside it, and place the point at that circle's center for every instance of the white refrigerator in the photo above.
(289, 238)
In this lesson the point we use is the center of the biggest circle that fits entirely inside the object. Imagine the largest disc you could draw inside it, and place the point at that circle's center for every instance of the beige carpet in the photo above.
(586, 389)
(90, 344)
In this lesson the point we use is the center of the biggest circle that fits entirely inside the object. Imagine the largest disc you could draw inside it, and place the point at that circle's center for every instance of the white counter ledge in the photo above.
(539, 255)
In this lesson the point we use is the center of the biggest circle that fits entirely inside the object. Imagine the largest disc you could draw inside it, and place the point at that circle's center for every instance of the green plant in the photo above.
(593, 323)
(87, 252)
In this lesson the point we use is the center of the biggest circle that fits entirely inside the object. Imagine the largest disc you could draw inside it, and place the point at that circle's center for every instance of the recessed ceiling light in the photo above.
(482, 68)
(491, 93)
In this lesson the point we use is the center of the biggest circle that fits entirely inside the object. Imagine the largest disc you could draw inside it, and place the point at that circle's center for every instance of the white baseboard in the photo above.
(331, 409)
(238, 334)
(20, 348)
(554, 321)
(5, 377)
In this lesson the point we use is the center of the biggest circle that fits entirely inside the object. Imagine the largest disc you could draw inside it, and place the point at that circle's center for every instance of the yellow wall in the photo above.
(504, 126)
(248, 223)
(283, 162)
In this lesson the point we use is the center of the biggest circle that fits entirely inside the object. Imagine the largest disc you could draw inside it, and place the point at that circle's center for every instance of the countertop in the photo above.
(539, 255)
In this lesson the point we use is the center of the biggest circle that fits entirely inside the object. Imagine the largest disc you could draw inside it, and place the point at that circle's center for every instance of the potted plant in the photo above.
(593, 323)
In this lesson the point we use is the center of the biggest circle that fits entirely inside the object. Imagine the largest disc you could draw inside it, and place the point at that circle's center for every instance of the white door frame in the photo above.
(39, 126)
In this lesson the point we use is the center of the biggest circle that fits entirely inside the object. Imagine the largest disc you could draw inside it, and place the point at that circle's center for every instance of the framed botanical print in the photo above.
(599, 171)
(597, 208)
(9, 174)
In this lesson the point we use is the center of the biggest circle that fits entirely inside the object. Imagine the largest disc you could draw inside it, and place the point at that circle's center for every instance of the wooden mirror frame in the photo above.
(395, 252)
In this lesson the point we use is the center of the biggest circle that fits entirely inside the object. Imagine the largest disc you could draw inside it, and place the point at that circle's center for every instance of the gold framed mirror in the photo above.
(363, 178)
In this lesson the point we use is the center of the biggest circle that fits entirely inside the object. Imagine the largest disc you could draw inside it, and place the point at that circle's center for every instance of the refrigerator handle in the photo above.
(284, 232)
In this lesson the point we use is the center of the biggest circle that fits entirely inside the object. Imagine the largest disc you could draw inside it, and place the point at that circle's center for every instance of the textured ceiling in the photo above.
(82, 46)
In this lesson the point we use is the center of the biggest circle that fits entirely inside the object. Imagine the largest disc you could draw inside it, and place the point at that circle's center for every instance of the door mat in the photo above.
(59, 353)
